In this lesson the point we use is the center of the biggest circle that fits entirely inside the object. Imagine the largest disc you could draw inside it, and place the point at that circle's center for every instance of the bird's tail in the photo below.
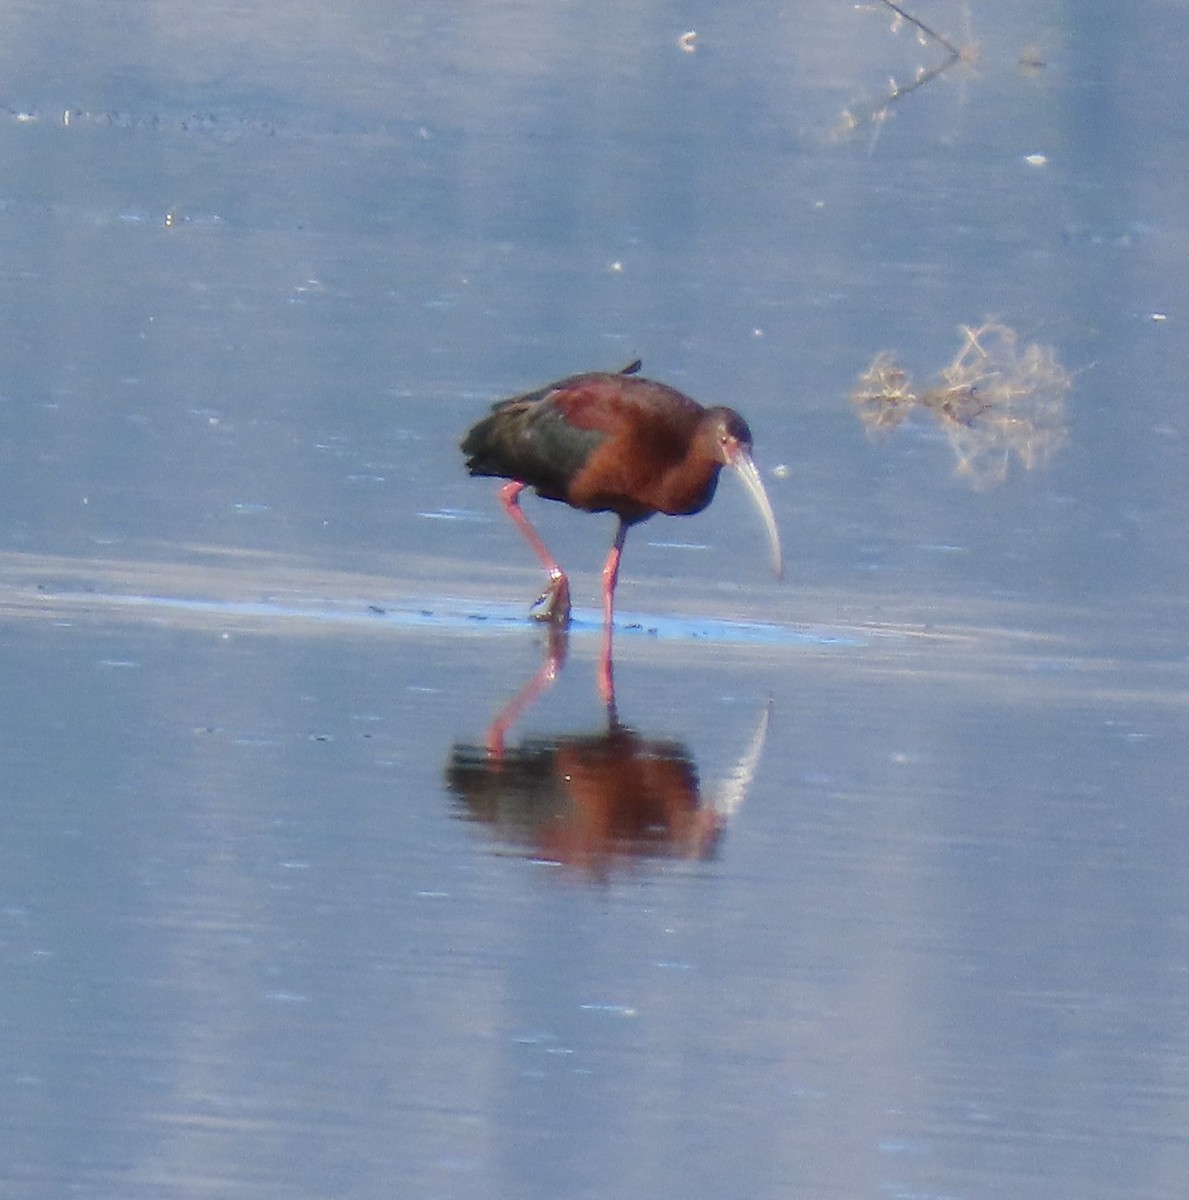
(482, 446)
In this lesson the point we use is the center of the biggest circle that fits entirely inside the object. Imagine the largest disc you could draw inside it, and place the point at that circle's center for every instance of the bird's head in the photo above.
(732, 446)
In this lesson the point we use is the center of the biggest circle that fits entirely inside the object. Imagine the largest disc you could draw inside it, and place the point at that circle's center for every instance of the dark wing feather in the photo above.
(530, 440)
(545, 437)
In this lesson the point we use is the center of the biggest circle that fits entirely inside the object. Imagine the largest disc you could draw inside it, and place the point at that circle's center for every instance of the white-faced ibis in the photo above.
(611, 442)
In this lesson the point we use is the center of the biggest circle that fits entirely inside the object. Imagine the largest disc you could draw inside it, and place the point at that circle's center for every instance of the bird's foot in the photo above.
(553, 605)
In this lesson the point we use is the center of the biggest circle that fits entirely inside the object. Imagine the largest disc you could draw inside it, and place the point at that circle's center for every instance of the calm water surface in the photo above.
(872, 884)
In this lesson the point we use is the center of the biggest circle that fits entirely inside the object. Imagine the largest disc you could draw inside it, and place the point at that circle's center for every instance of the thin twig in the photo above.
(937, 37)
(878, 110)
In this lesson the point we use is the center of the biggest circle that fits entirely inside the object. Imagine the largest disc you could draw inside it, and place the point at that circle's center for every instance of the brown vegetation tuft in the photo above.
(992, 401)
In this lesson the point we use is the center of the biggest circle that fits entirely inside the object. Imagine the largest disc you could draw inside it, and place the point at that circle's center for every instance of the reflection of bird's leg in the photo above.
(554, 602)
(612, 710)
(610, 578)
(550, 669)
(607, 672)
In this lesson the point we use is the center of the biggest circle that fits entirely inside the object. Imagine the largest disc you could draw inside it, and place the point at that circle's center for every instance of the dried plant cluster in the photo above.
(993, 401)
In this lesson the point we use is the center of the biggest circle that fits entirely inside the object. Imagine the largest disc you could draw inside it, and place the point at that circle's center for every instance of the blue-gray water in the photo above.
(894, 901)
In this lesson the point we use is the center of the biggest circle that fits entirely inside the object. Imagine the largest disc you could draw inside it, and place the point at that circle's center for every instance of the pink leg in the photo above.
(610, 578)
(555, 659)
(555, 600)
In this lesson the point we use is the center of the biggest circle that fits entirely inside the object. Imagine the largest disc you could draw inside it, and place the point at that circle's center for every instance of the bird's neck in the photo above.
(688, 486)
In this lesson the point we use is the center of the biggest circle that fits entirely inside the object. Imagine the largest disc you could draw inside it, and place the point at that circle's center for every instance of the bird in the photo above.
(611, 441)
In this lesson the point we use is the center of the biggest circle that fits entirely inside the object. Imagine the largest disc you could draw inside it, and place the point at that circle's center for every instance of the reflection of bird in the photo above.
(616, 443)
(592, 800)
(585, 800)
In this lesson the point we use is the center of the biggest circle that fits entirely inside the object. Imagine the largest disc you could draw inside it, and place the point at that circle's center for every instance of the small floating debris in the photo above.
(614, 1010)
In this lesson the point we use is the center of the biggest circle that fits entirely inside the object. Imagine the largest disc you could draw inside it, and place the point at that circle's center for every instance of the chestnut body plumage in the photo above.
(611, 442)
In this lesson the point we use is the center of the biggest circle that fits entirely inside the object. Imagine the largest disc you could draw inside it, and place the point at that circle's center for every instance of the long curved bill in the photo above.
(747, 471)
